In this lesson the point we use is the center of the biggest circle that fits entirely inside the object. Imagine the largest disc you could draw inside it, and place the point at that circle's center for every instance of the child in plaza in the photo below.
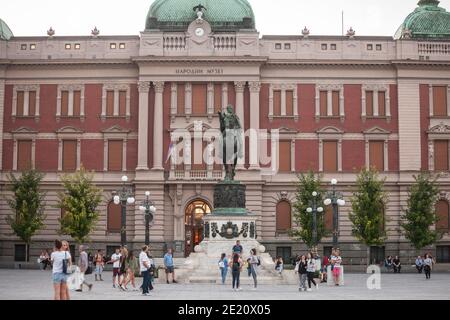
(99, 264)
(301, 267)
(223, 267)
(336, 261)
(279, 265)
(168, 264)
(115, 260)
(311, 270)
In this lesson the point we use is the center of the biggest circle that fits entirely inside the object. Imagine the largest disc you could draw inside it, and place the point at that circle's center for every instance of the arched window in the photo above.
(283, 217)
(328, 218)
(442, 212)
(114, 218)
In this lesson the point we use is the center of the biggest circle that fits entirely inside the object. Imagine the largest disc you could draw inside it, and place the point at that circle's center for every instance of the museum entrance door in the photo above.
(193, 224)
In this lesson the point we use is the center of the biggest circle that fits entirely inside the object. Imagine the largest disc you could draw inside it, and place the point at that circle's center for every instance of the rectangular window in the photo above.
(370, 47)
(376, 155)
(197, 151)
(336, 103)
(277, 103)
(382, 103)
(20, 103)
(115, 149)
(199, 99)
(333, 46)
(69, 155)
(110, 103)
(440, 101)
(68, 46)
(121, 45)
(64, 103)
(217, 97)
(284, 156)
(23, 46)
(24, 155)
(330, 156)
(287, 46)
(441, 155)
(33, 46)
(122, 103)
(285, 253)
(289, 103)
(113, 46)
(76, 103)
(377, 255)
(369, 103)
(31, 103)
(379, 47)
(443, 254)
(277, 46)
(324, 46)
(181, 98)
(77, 46)
(323, 103)
(20, 253)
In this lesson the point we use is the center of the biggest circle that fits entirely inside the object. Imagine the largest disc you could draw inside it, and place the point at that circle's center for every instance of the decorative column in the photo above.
(240, 87)
(224, 96)
(376, 106)
(210, 101)
(174, 101)
(329, 102)
(2, 101)
(431, 99)
(255, 88)
(144, 88)
(158, 127)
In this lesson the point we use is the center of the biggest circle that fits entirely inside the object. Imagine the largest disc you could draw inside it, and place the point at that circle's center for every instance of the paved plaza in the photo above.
(37, 285)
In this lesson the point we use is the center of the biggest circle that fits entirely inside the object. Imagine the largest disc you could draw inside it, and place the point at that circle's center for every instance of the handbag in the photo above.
(64, 266)
(297, 267)
(221, 264)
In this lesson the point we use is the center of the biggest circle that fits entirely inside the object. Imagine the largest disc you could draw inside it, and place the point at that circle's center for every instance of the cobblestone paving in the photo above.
(37, 285)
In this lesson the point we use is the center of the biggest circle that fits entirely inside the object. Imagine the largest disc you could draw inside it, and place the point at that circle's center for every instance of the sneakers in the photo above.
(317, 286)
(90, 287)
(79, 290)
(309, 289)
(174, 281)
(167, 281)
(114, 285)
(146, 294)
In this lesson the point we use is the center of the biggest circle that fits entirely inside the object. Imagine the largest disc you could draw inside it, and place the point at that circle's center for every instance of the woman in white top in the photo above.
(311, 270)
(428, 265)
(59, 277)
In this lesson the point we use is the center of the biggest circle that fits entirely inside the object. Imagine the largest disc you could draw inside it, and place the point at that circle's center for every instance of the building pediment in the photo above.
(440, 129)
(116, 129)
(376, 130)
(69, 130)
(330, 130)
(24, 130)
(287, 130)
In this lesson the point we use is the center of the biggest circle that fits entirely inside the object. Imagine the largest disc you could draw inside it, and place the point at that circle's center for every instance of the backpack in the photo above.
(259, 261)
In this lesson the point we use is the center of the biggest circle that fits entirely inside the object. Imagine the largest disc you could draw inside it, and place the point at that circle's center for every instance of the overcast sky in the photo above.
(273, 17)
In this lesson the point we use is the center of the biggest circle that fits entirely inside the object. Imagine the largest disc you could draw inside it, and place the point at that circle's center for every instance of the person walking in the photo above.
(144, 266)
(83, 263)
(223, 267)
(397, 264)
(254, 263)
(336, 261)
(324, 269)
(311, 269)
(115, 260)
(236, 266)
(279, 265)
(123, 267)
(59, 257)
(66, 248)
(99, 264)
(419, 264)
(168, 264)
(132, 266)
(301, 268)
(428, 265)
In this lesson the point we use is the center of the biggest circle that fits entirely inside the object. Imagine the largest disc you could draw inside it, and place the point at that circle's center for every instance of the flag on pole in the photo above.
(170, 151)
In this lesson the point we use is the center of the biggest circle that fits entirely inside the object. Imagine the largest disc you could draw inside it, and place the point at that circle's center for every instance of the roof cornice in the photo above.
(30, 62)
(197, 59)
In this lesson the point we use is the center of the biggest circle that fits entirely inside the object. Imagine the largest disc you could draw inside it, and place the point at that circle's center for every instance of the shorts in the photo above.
(98, 269)
(336, 271)
(59, 278)
(116, 272)
(169, 269)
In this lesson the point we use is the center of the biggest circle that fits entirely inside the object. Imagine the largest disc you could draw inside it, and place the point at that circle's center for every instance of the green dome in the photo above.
(223, 15)
(5, 31)
(428, 21)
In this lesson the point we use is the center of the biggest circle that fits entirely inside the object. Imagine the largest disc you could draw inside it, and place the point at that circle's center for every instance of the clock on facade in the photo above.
(199, 32)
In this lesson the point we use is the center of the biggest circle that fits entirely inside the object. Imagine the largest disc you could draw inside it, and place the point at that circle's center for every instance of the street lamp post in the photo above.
(335, 199)
(314, 210)
(149, 211)
(123, 197)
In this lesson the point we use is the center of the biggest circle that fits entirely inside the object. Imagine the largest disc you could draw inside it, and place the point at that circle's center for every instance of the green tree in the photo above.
(306, 185)
(420, 213)
(27, 205)
(368, 205)
(79, 203)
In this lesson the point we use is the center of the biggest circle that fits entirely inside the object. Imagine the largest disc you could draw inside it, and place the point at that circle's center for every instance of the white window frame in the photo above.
(26, 89)
(377, 134)
(69, 133)
(22, 134)
(330, 134)
(115, 133)
(330, 88)
(283, 87)
(439, 132)
(70, 88)
(376, 88)
(116, 88)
